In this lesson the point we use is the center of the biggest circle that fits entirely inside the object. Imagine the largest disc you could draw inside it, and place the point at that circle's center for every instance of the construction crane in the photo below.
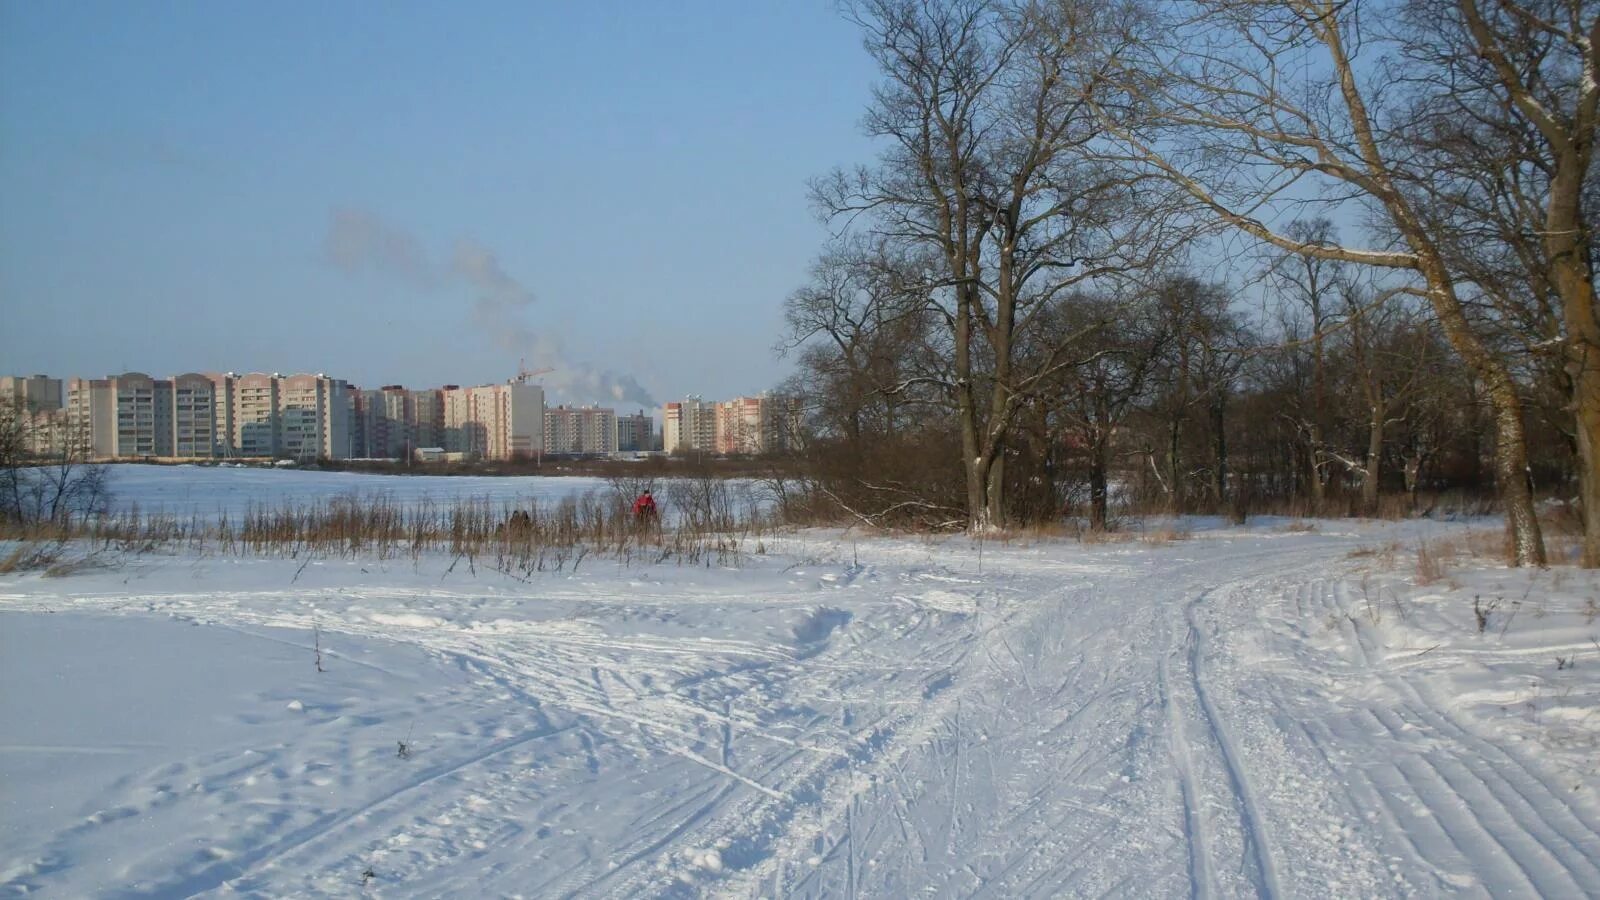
(524, 375)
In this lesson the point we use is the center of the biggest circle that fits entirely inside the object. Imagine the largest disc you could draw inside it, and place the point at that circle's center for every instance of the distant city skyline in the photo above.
(412, 195)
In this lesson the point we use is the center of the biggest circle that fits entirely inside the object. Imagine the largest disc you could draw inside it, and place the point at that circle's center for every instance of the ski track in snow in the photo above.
(1206, 718)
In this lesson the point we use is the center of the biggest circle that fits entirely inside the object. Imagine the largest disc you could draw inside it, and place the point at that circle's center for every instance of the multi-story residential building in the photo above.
(313, 417)
(391, 422)
(427, 424)
(40, 401)
(587, 430)
(210, 415)
(222, 418)
(298, 416)
(689, 425)
(142, 417)
(193, 407)
(133, 415)
(636, 433)
(496, 421)
(92, 416)
(255, 415)
(743, 425)
(33, 393)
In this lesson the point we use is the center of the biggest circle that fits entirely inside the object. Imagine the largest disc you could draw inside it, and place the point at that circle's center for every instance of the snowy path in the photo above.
(1209, 718)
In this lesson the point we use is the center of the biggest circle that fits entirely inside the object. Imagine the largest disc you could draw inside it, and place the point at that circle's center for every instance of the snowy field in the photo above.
(1258, 711)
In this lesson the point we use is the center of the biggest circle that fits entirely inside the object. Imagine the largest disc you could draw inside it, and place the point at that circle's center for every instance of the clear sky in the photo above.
(419, 193)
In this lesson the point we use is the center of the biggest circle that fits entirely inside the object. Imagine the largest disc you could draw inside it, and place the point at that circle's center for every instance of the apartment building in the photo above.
(587, 430)
(496, 421)
(208, 415)
(133, 415)
(193, 409)
(427, 417)
(381, 422)
(313, 417)
(391, 422)
(636, 433)
(260, 415)
(689, 425)
(37, 393)
(255, 415)
(222, 416)
(743, 425)
(41, 402)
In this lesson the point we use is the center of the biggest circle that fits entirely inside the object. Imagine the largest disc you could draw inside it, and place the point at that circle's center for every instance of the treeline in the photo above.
(1217, 256)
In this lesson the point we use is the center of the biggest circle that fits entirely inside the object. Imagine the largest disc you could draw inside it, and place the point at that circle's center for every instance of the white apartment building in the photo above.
(133, 415)
(37, 393)
(689, 425)
(222, 406)
(198, 416)
(743, 425)
(40, 400)
(255, 415)
(588, 430)
(497, 421)
(193, 416)
(313, 417)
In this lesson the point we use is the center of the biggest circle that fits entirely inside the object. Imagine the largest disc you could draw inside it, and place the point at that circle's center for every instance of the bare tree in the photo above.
(1389, 353)
(1255, 106)
(1310, 284)
(1098, 393)
(1191, 378)
(861, 336)
(1509, 109)
(987, 111)
(45, 477)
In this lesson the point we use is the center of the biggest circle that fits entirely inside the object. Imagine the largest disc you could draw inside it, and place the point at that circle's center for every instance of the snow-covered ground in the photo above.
(1246, 712)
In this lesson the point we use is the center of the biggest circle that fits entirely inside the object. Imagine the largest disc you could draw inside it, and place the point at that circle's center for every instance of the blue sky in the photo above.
(418, 193)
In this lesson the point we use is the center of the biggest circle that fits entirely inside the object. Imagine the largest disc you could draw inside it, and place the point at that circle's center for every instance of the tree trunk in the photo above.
(1567, 247)
(997, 489)
(1098, 500)
(1413, 477)
(1511, 474)
(1588, 421)
(1369, 480)
(1175, 465)
(1219, 468)
(1314, 467)
(1511, 442)
(978, 521)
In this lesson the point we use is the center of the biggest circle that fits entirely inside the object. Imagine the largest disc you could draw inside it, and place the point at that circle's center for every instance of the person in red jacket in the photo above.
(644, 508)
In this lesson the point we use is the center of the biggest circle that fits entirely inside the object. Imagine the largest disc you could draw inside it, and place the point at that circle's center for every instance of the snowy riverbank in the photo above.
(1247, 711)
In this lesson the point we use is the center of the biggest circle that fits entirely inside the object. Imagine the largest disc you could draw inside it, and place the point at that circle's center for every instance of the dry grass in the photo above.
(66, 567)
(1431, 561)
(712, 525)
(31, 555)
(1104, 536)
(1166, 534)
(1436, 558)
(1384, 554)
